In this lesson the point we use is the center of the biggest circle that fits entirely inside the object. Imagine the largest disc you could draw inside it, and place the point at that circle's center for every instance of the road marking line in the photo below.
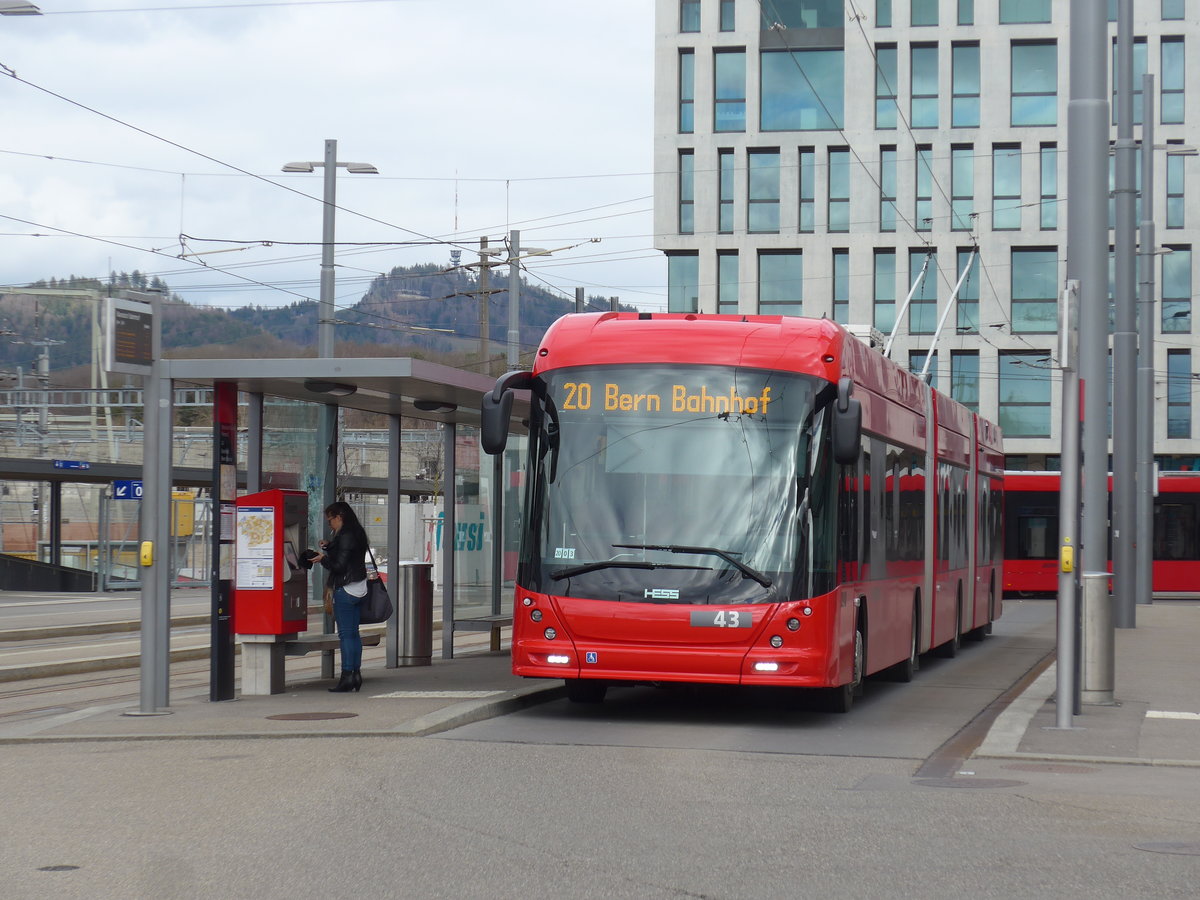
(1162, 714)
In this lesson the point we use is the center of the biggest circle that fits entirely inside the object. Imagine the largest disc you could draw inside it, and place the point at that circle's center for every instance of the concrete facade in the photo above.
(995, 186)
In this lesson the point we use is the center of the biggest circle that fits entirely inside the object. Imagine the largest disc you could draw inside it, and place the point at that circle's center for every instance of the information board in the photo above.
(131, 336)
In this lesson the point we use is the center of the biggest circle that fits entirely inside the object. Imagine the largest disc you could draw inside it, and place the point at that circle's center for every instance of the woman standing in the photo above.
(343, 557)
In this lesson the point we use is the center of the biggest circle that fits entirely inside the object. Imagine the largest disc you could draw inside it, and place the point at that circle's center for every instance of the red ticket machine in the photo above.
(270, 585)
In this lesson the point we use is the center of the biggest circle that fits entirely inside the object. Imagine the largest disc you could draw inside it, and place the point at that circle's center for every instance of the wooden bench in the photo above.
(263, 655)
(485, 623)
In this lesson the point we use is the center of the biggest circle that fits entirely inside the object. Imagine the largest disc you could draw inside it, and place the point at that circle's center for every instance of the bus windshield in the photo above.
(669, 484)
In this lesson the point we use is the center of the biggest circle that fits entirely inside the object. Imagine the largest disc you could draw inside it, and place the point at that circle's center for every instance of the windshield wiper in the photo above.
(711, 551)
(615, 564)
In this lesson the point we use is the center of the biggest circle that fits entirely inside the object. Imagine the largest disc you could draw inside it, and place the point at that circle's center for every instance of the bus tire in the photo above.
(580, 690)
(950, 649)
(841, 698)
(905, 670)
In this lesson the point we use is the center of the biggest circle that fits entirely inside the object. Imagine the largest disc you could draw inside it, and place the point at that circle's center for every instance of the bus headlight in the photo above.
(766, 667)
(536, 615)
(776, 641)
(551, 634)
(557, 660)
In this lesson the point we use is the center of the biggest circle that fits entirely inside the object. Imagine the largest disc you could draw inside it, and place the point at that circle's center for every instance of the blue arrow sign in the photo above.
(71, 464)
(127, 489)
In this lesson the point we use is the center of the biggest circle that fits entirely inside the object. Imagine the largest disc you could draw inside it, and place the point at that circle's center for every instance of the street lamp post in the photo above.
(327, 425)
(325, 342)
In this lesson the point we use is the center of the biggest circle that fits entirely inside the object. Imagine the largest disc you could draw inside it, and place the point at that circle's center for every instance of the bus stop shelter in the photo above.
(387, 386)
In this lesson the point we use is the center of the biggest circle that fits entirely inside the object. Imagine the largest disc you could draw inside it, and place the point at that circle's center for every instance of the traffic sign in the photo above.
(127, 489)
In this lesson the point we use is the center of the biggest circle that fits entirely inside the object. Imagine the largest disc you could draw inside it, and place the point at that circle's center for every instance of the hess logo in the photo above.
(661, 594)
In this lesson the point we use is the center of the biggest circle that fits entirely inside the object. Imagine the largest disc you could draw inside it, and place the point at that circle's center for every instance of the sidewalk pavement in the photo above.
(1155, 720)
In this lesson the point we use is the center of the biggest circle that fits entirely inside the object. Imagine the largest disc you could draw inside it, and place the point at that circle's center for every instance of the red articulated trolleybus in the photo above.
(752, 500)
(1031, 534)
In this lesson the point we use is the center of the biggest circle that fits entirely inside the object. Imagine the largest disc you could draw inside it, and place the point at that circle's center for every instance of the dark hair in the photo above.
(350, 521)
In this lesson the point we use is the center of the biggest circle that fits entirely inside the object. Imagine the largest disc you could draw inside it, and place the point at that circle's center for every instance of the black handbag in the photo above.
(376, 607)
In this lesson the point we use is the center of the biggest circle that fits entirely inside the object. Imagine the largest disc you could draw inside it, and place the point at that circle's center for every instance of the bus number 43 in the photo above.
(721, 618)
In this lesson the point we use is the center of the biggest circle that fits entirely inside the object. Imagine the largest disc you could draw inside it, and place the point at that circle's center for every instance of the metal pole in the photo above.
(392, 637)
(1068, 508)
(325, 340)
(514, 299)
(1087, 252)
(1125, 333)
(1144, 582)
(449, 533)
(578, 299)
(614, 304)
(149, 529)
(1099, 649)
(485, 295)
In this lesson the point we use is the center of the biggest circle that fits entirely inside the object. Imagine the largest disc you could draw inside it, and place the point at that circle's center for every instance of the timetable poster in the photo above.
(255, 548)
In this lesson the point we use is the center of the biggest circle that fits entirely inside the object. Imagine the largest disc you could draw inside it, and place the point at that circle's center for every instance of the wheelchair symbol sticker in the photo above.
(592, 656)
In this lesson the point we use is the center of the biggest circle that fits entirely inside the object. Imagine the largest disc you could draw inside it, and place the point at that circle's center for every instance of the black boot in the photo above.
(345, 683)
(357, 679)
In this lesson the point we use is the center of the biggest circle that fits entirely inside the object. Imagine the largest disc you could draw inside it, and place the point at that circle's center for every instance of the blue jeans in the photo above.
(346, 615)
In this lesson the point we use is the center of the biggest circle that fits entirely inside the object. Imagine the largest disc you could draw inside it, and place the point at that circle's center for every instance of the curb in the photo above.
(49, 632)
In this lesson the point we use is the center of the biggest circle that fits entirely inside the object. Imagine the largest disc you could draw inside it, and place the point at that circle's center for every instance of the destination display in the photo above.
(613, 396)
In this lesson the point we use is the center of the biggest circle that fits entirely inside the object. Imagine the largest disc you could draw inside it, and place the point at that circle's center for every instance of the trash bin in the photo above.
(410, 630)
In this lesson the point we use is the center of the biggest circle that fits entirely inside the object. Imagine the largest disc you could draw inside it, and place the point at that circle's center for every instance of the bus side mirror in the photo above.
(847, 425)
(496, 409)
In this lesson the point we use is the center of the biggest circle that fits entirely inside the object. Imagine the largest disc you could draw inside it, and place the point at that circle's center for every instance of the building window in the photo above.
(1048, 201)
(1172, 9)
(1139, 69)
(885, 86)
(1034, 291)
(887, 188)
(924, 188)
(885, 290)
(968, 294)
(727, 20)
(962, 187)
(924, 13)
(964, 378)
(808, 189)
(922, 310)
(883, 13)
(1024, 394)
(924, 112)
(1177, 291)
(1019, 12)
(1179, 393)
(964, 100)
(1006, 188)
(687, 192)
(966, 12)
(683, 282)
(839, 189)
(841, 286)
(804, 14)
(728, 282)
(689, 15)
(1175, 204)
(725, 191)
(1034, 83)
(729, 95)
(1171, 103)
(687, 92)
(916, 362)
(762, 191)
(802, 90)
(781, 283)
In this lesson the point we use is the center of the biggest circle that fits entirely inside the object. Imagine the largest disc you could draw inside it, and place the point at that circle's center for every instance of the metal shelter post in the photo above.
(392, 637)
(1146, 486)
(449, 529)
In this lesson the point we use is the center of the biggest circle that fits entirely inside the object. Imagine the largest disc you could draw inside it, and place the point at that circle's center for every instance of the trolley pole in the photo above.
(1068, 508)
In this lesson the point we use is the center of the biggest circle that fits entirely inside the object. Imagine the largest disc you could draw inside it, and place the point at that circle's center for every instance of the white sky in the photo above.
(481, 117)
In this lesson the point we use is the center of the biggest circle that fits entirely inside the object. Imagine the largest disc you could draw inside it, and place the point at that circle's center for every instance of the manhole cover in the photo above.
(1053, 768)
(1178, 847)
(311, 716)
(978, 783)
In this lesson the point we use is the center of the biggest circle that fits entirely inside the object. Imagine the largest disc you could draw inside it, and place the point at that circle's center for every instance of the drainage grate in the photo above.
(311, 716)
(1178, 847)
(1053, 768)
(978, 783)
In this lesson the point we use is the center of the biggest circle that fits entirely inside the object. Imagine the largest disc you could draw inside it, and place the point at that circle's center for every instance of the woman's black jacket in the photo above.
(344, 558)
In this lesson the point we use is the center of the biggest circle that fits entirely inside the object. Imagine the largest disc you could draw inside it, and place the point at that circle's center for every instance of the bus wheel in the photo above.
(950, 649)
(905, 670)
(841, 698)
(581, 690)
